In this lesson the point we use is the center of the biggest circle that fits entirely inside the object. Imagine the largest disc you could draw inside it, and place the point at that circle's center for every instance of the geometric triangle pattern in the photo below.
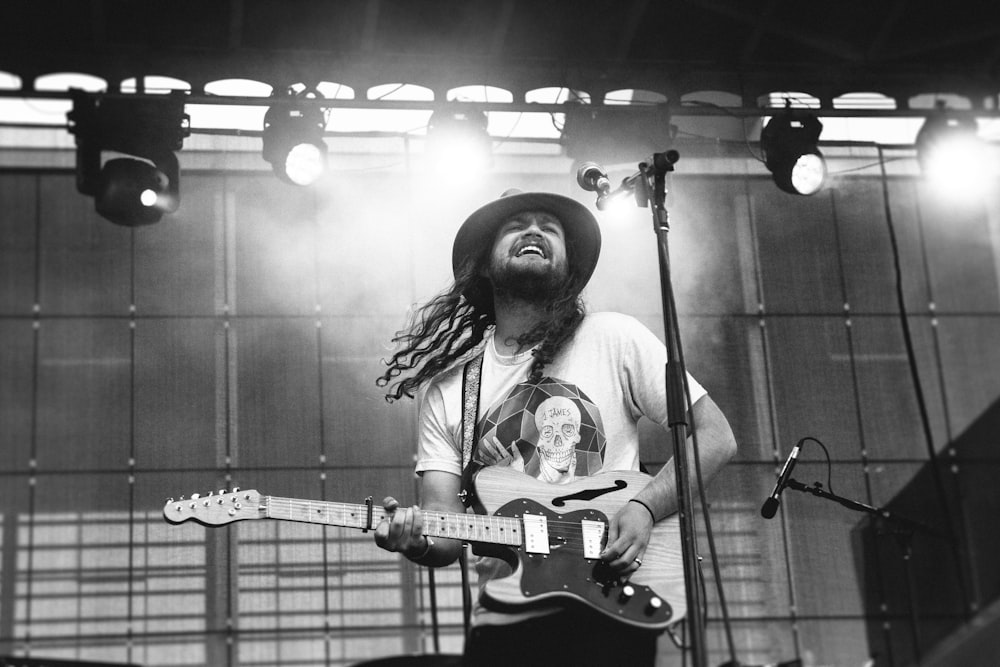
(512, 422)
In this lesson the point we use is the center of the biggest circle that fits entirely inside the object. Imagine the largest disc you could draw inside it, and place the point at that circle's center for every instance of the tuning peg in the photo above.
(236, 489)
(222, 492)
(169, 500)
(195, 496)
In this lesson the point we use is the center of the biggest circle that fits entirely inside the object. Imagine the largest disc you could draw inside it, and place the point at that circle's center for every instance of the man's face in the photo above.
(529, 255)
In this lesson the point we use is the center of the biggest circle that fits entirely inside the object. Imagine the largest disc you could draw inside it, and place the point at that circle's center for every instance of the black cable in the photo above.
(709, 533)
(829, 463)
(918, 388)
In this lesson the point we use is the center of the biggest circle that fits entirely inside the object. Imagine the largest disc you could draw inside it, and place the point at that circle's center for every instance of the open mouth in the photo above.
(531, 249)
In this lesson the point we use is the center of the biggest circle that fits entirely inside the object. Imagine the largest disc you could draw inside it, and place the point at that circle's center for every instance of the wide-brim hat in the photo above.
(583, 235)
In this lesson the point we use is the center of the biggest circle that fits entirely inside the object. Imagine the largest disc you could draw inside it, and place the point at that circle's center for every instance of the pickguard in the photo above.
(564, 572)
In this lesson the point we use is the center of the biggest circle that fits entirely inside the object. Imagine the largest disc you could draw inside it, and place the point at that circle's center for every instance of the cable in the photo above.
(709, 533)
(918, 388)
(829, 464)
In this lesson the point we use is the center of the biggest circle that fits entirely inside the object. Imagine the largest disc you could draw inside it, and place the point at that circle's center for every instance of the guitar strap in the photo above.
(470, 411)
(471, 375)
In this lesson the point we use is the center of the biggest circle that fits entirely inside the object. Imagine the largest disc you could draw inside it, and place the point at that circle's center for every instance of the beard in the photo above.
(529, 283)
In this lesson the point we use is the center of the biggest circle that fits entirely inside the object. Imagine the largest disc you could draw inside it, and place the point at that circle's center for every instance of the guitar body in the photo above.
(653, 598)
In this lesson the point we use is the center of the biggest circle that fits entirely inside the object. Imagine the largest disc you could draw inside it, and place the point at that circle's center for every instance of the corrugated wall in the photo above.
(237, 342)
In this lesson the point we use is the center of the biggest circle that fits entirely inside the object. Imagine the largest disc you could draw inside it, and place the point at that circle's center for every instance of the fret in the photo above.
(469, 527)
(314, 511)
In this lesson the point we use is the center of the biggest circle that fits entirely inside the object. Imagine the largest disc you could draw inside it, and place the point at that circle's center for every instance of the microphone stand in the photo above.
(650, 189)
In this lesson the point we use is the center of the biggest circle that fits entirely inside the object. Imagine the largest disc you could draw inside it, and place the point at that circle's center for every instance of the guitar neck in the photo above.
(469, 527)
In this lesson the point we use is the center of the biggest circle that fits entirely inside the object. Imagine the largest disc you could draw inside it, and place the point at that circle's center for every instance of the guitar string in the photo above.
(346, 509)
(356, 508)
(566, 531)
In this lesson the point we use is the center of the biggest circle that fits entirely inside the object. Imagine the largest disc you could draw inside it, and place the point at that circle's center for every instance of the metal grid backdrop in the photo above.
(236, 343)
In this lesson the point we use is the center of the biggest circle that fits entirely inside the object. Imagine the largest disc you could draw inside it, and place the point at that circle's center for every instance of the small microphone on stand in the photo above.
(770, 506)
(592, 178)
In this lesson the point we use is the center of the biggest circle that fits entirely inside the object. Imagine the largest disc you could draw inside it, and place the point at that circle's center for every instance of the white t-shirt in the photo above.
(582, 418)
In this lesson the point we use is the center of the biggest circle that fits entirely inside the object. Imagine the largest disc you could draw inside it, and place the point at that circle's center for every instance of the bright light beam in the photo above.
(959, 167)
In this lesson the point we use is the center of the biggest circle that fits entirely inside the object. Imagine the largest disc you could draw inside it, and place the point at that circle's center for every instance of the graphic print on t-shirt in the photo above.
(550, 430)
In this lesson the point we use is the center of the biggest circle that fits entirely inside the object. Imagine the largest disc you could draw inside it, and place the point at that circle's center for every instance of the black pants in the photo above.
(565, 639)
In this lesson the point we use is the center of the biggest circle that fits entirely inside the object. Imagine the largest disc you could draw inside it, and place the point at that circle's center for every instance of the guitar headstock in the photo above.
(214, 509)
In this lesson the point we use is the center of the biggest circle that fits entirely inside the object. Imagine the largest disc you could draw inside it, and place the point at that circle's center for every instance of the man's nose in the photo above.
(534, 227)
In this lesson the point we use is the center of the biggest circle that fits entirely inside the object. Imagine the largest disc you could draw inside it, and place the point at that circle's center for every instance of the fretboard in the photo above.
(470, 527)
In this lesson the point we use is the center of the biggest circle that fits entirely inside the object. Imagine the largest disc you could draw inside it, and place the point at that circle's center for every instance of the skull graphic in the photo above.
(558, 422)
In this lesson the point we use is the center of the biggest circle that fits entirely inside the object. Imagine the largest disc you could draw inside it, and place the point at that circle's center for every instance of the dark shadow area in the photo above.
(926, 579)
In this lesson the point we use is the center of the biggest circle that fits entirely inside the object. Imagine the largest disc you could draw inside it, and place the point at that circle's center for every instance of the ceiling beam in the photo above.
(835, 47)
(986, 31)
(98, 23)
(369, 28)
(751, 43)
(876, 46)
(360, 103)
(498, 40)
(633, 19)
(236, 18)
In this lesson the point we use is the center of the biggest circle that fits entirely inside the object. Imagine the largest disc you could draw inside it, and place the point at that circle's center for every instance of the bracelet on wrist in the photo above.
(648, 509)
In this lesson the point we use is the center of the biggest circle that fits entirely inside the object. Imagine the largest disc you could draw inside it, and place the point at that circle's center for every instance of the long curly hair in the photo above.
(454, 323)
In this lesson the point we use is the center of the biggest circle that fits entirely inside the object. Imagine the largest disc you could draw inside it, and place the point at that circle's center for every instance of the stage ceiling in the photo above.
(900, 48)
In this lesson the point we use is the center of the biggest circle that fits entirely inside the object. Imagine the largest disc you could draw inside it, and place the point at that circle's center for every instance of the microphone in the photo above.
(771, 504)
(591, 177)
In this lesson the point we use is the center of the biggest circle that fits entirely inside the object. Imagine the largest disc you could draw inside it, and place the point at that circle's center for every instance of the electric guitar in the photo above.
(551, 535)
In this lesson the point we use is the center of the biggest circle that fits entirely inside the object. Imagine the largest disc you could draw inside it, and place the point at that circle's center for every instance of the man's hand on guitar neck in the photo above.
(402, 532)
(628, 534)
(402, 529)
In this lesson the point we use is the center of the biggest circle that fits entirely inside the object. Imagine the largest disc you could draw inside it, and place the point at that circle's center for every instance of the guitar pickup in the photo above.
(536, 534)
(593, 537)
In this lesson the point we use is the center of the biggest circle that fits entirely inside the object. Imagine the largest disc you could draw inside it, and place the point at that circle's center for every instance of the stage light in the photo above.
(617, 134)
(951, 155)
(140, 179)
(293, 140)
(790, 153)
(458, 142)
(134, 192)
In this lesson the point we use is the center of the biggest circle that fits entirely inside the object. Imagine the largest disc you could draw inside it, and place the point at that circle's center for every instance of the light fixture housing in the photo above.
(789, 143)
(293, 140)
(140, 179)
(951, 154)
(458, 140)
(617, 134)
(133, 192)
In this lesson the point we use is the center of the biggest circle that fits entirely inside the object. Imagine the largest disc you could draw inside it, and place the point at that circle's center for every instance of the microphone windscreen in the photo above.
(769, 508)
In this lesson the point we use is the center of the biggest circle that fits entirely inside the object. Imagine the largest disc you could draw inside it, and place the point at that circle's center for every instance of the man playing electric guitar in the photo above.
(559, 397)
